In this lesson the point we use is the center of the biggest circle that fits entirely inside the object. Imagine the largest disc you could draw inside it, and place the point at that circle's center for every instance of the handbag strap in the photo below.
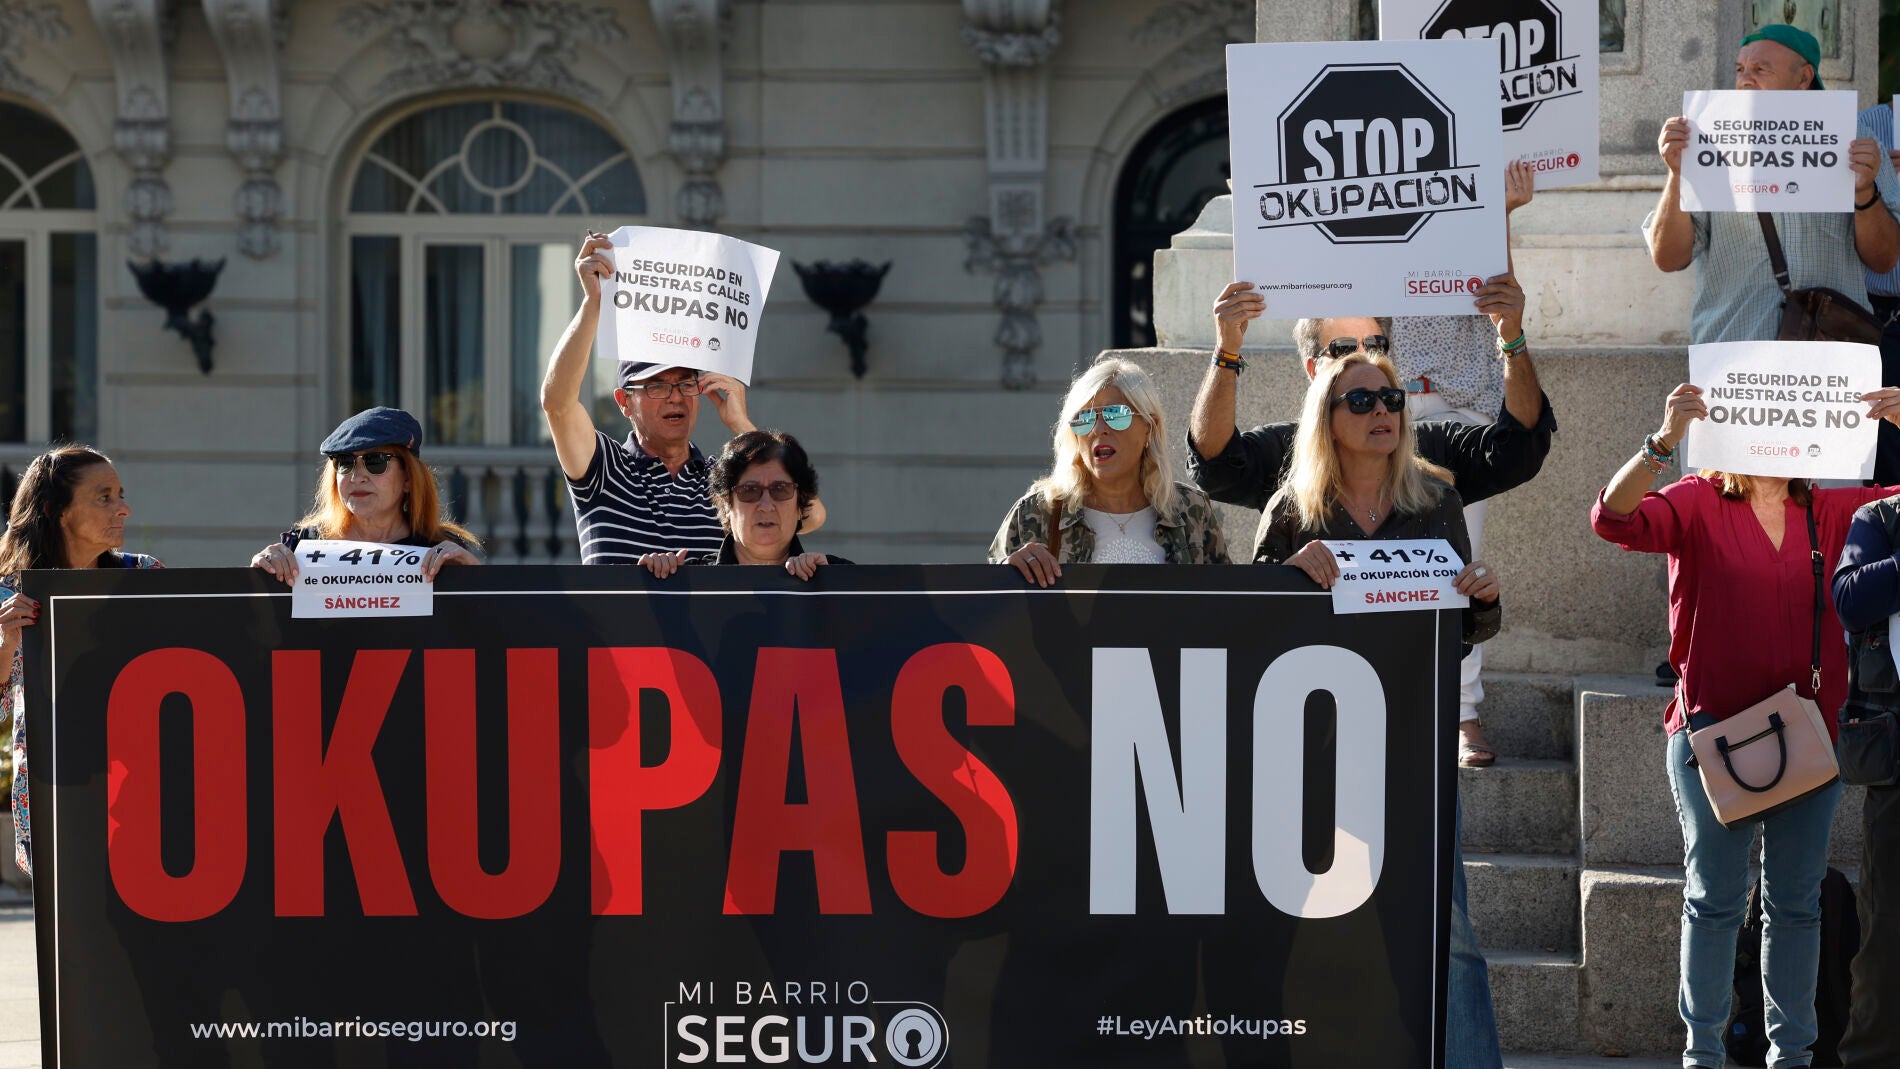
(1055, 550)
(1814, 553)
(1775, 257)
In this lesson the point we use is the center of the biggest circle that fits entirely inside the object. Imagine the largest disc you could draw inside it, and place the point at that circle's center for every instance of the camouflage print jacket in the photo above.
(1191, 535)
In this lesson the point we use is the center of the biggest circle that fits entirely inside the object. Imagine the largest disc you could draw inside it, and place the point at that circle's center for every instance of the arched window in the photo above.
(49, 283)
(1176, 169)
(463, 221)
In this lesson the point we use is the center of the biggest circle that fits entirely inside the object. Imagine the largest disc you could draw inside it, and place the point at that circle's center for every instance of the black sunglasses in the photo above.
(375, 463)
(751, 492)
(1360, 401)
(1373, 344)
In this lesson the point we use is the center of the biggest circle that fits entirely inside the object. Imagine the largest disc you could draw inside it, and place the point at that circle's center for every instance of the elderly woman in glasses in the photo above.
(375, 488)
(1111, 497)
(764, 489)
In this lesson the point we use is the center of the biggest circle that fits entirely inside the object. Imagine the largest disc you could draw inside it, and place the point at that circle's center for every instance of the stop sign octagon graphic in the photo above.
(1367, 154)
(1532, 68)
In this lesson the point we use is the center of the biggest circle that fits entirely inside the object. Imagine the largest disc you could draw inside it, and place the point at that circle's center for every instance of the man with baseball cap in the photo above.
(1736, 296)
(647, 494)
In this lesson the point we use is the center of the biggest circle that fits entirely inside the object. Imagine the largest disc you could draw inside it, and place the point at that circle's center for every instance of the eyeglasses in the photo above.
(1373, 344)
(1360, 401)
(663, 390)
(375, 463)
(1118, 417)
(751, 492)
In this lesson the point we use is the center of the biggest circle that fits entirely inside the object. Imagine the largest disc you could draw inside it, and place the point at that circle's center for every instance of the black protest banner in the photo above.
(901, 816)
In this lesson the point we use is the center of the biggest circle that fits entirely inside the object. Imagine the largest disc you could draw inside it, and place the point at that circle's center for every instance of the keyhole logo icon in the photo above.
(917, 1036)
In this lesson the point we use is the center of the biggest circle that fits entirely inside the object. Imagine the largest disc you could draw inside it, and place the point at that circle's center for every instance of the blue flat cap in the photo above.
(632, 371)
(373, 427)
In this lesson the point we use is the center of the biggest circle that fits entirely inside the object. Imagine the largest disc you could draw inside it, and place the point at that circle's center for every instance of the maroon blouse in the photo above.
(1741, 613)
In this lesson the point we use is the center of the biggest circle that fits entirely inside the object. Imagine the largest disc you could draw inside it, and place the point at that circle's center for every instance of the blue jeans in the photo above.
(1471, 1026)
(1794, 858)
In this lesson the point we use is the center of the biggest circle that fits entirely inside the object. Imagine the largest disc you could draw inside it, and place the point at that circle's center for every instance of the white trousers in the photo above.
(1434, 406)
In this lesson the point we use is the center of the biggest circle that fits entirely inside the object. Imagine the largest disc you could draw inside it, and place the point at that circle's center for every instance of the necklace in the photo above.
(1372, 511)
(1122, 525)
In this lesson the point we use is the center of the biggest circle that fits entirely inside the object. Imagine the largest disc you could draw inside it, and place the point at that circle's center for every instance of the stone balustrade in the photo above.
(515, 500)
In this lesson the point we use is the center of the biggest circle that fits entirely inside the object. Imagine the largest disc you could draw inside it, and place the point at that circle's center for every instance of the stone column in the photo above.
(138, 33)
(695, 32)
(250, 33)
(1014, 39)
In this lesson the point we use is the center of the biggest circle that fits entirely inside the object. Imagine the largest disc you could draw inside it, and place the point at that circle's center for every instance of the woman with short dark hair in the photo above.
(763, 487)
(68, 512)
(375, 488)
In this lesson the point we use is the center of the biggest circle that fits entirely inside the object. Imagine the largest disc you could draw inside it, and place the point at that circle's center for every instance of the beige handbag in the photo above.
(1774, 753)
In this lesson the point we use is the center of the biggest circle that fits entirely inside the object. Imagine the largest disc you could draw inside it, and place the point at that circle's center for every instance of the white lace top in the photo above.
(1124, 538)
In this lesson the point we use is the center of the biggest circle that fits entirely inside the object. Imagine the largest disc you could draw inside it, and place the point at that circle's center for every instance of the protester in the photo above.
(1867, 593)
(375, 488)
(1741, 627)
(1449, 366)
(1883, 294)
(1110, 497)
(1355, 473)
(1736, 295)
(764, 487)
(68, 512)
(647, 494)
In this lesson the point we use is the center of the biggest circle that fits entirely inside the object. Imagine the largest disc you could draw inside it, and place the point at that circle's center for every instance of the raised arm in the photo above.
(1876, 233)
(569, 423)
(1211, 423)
(1671, 236)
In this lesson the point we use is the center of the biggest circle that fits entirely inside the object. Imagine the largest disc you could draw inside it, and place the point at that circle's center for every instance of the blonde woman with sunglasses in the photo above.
(1111, 497)
(375, 488)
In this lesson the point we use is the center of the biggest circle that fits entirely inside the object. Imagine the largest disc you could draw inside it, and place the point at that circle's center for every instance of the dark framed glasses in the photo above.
(1118, 417)
(1360, 401)
(374, 463)
(751, 492)
(1373, 344)
(663, 390)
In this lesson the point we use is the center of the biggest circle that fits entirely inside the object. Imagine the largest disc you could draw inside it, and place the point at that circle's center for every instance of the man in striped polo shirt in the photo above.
(646, 494)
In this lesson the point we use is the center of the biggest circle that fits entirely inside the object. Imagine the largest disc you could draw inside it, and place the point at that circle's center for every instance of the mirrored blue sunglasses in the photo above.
(1118, 417)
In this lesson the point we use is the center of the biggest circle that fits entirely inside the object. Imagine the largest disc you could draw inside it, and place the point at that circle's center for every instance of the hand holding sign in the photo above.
(1753, 150)
(363, 579)
(1781, 409)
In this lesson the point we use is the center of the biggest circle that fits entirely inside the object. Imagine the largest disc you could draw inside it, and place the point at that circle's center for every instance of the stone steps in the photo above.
(1521, 805)
(1530, 715)
(1524, 902)
(1537, 995)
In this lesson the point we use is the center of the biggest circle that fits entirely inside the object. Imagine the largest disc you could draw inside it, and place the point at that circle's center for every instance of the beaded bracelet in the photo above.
(1229, 361)
(1512, 347)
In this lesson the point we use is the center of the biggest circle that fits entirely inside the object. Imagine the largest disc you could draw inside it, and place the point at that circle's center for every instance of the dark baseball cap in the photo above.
(632, 371)
(1796, 40)
(373, 427)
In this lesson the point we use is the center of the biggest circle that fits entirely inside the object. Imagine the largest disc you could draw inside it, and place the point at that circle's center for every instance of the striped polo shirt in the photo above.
(628, 504)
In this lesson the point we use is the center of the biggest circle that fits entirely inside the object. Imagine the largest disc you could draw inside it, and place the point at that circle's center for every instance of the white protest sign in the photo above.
(1396, 576)
(1547, 73)
(684, 297)
(1784, 409)
(1368, 175)
(1757, 150)
(336, 578)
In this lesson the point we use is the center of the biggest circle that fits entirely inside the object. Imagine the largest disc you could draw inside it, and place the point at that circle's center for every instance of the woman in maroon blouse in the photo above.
(1741, 626)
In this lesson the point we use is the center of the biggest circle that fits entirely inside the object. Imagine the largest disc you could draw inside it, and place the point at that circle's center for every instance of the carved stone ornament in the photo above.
(138, 34)
(695, 32)
(1205, 28)
(1012, 38)
(1017, 262)
(248, 33)
(20, 19)
(524, 43)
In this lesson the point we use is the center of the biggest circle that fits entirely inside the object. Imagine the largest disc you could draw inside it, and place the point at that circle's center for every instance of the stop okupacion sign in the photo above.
(582, 817)
(1547, 73)
(1368, 176)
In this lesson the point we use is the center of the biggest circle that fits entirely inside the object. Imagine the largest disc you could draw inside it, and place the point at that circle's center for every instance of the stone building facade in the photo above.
(396, 188)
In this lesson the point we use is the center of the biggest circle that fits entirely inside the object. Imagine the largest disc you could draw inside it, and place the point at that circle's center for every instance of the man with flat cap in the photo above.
(647, 494)
(1736, 296)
